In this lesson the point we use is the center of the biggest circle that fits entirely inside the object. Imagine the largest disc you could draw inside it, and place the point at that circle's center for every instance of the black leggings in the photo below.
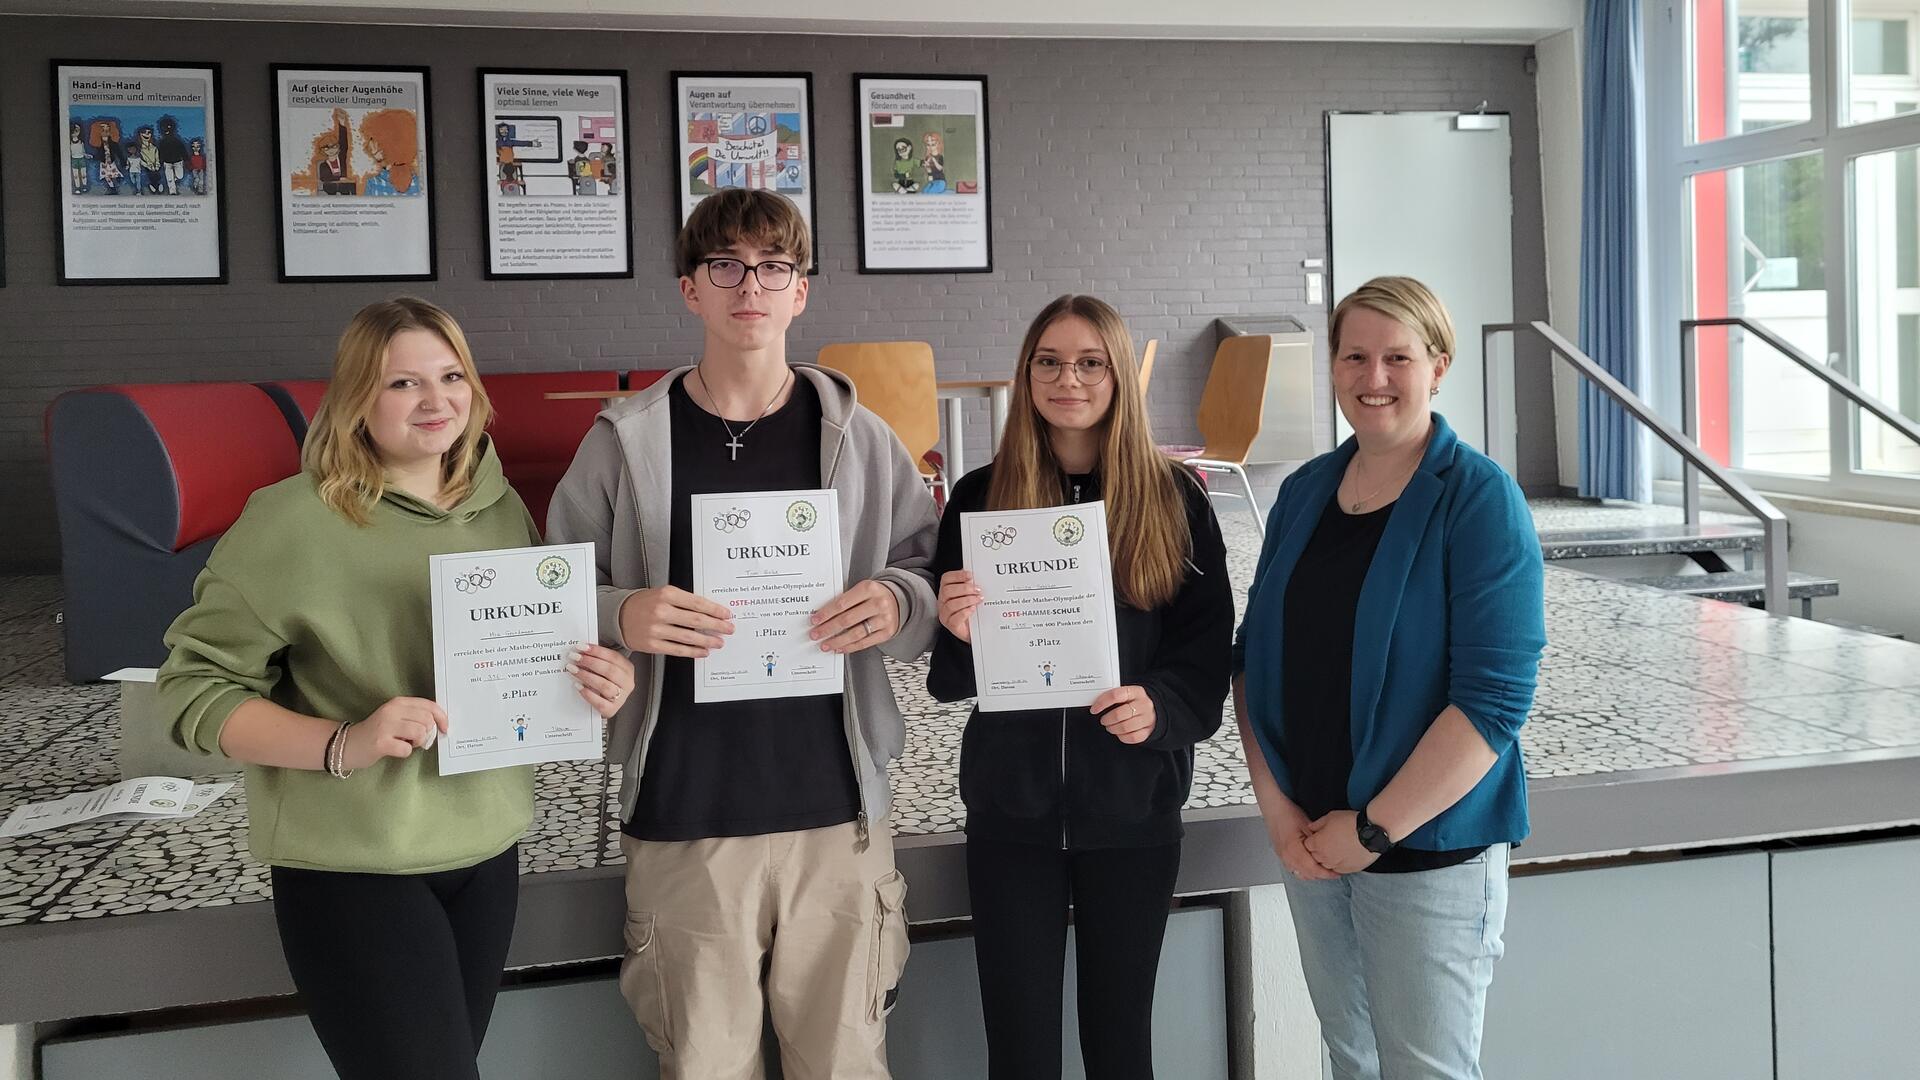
(1120, 898)
(398, 971)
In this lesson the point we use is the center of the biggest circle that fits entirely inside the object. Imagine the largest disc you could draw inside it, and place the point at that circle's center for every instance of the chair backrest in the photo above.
(1230, 406)
(528, 427)
(1146, 366)
(641, 378)
(894, 379)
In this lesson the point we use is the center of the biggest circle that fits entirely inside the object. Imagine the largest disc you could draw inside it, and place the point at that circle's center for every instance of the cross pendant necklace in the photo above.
(733, 443)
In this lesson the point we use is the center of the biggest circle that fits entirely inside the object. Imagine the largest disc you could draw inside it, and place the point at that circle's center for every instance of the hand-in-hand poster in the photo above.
(140, 152)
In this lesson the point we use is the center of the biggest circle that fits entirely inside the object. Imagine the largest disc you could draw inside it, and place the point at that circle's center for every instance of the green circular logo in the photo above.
(553, 571)
(802, 516)
(162, 802)
(1069, 530)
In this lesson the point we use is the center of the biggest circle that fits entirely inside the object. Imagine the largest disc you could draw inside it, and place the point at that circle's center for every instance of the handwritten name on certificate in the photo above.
(773, 558)
(1044, 635)
(503, 624)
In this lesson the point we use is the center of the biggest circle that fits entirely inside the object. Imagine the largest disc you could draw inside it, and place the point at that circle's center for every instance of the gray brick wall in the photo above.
(1179, 180)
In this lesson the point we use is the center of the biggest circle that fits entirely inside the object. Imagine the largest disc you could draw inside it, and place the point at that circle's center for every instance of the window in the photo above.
(1758, 251)
(1882, 80)
(1783, 163)
(1750, 67)
(1886, 301)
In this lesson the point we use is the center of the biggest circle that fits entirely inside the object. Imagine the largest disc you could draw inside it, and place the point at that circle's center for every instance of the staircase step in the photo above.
(1647, 540)
(1865, 628)
(1740, 586)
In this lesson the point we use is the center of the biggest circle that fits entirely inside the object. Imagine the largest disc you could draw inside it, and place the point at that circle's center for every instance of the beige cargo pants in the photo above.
(811, 923)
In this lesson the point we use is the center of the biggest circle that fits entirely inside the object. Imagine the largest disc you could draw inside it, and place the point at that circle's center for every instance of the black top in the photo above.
(1316, 678)
(1057, 777)
(741, 768)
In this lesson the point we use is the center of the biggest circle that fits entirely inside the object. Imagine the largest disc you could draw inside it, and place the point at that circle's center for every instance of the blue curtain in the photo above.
(1613, 446)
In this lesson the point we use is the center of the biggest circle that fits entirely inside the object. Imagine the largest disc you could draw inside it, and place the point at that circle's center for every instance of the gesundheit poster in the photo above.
(140, 153)
(924, 191)
(555, 165)
(355, 174)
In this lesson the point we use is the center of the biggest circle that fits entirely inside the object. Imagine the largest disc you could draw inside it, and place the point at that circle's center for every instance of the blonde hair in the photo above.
(340, 453)
(1403, 300)
(1146, 508)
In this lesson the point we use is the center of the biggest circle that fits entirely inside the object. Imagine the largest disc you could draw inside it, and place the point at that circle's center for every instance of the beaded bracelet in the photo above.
(336, 758)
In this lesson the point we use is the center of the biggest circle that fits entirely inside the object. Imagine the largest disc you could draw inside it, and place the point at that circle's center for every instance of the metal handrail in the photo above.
(1690, 393)
(1773, 524)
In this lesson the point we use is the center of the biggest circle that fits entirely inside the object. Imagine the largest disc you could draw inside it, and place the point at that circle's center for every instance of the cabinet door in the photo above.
(1847, 961)
(1655, 972)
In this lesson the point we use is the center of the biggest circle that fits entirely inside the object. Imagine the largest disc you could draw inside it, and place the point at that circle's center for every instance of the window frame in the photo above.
(1673, 160)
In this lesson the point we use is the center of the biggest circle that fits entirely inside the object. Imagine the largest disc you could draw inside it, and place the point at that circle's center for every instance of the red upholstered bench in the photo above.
(146, 478)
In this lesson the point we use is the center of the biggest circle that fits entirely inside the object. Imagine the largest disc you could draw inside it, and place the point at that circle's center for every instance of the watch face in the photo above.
(1373, 837)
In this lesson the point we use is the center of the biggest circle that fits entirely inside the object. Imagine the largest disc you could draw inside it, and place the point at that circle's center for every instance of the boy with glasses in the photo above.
(759, 862)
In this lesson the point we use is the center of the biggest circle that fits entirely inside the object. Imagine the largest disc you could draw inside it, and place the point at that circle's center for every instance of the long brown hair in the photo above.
(1146, 508)
(339, 451)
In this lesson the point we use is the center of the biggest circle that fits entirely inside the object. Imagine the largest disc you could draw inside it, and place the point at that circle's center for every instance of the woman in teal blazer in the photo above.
(1386, 663)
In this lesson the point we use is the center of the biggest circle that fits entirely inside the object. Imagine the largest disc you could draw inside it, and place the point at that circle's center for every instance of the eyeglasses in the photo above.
(773, 275)
(1091, 369)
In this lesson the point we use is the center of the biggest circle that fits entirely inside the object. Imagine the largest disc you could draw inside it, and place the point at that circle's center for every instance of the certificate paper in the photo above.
(773, 557)
(503, 623)
(1044, 634)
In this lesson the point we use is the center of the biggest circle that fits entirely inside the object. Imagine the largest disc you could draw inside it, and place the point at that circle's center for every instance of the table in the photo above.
(953, 395)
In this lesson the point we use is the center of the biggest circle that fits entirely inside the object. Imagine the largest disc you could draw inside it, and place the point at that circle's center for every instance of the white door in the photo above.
(1410, 195)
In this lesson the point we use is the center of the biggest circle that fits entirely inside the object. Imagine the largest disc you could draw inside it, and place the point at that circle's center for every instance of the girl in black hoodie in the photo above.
(1077, 807)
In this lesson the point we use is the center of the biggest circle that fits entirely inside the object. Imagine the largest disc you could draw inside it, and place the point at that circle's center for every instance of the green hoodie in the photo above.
(331, 619)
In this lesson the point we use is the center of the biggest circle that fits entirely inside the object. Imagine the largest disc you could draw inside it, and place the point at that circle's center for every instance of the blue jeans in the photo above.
(1398, 966)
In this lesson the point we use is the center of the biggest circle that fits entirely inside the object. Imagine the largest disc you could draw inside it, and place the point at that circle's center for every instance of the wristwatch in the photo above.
(1372, 837)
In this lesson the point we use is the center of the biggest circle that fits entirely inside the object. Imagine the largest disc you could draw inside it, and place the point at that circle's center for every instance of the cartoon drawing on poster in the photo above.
(141, 200)
(555, 203)
(746, 131)
(923, 152)
(355, 184)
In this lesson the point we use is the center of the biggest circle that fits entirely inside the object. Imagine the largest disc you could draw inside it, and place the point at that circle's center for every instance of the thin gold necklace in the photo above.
(733, 440)
(1360, 466)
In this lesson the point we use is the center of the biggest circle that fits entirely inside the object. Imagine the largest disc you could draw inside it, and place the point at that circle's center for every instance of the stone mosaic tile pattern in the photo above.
(1632, 679)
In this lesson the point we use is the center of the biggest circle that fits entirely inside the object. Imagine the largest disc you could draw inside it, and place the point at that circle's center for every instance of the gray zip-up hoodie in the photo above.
(617, 495)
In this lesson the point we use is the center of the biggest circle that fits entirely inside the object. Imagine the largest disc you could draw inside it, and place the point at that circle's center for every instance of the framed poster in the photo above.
(924, 189)
(355, 174)
(139, 152)
(745, 131)
(554, 164)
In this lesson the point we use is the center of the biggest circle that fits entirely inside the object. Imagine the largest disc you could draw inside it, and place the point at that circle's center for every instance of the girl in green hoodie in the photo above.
(308, 656)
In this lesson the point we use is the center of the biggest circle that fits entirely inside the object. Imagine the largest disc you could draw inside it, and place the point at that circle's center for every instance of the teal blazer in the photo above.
(1451, 612)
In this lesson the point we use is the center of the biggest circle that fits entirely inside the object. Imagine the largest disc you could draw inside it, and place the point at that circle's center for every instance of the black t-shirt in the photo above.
(1316, 680)
(741, 768)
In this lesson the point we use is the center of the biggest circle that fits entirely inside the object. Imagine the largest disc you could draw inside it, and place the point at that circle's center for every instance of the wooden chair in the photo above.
(895, 379)
(1146, 366)
(1230, 410)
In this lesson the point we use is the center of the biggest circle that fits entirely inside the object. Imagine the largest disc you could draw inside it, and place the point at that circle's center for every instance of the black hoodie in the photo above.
(1056, 776)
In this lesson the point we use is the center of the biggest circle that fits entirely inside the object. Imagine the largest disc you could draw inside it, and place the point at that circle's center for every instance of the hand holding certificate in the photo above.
(504, 626)
(773, 559)
(1044, 635)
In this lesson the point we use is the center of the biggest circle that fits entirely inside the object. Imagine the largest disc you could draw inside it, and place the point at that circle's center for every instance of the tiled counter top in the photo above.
(1661, 722)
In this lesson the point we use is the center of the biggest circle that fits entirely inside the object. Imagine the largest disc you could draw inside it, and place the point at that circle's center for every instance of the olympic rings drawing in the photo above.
(732, 520)
(999, 538)
(474, 581)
